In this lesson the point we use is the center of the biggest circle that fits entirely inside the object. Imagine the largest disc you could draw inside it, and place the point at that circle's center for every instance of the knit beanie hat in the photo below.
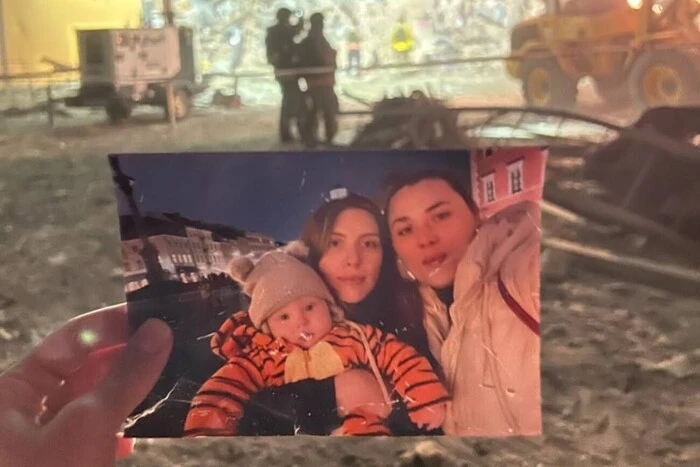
(277, 279)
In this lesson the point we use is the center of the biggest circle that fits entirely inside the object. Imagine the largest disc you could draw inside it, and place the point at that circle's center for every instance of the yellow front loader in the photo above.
(643, 51)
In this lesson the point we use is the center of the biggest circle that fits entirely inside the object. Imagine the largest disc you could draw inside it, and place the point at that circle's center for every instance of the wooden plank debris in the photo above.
(599, 210)
(636, 269)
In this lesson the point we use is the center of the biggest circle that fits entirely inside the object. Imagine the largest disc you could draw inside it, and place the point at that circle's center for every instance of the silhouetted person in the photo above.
(317, 52)
(283, 54)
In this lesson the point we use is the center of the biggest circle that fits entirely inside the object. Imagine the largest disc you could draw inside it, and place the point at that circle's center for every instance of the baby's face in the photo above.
(303, 322)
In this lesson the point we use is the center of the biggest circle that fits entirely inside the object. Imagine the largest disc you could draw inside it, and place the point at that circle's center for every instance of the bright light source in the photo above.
(88, 337)
(636, 4)
(658, 8)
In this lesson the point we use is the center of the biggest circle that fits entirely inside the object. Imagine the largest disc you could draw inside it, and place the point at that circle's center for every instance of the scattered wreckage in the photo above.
(625, 197)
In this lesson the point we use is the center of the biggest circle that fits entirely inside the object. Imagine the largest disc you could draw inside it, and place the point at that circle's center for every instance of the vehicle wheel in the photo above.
(182, 104)
(546, 85)
(614, 90)
(118, 110)
(659, 79)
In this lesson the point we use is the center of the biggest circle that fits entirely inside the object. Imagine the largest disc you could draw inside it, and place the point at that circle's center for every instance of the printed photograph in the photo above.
(338, 293)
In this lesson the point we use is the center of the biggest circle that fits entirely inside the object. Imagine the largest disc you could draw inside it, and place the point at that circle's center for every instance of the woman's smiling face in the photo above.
(352, 259)
(431, 227)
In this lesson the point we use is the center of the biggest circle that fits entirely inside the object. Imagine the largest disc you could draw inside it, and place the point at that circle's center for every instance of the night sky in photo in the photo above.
(269, 193)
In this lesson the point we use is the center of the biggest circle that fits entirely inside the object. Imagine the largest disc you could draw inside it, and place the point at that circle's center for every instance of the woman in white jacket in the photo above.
(480, 288)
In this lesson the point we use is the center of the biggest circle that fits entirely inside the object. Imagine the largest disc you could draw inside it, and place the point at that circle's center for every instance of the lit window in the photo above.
(490, 192)
(489, 182)
(515, 177)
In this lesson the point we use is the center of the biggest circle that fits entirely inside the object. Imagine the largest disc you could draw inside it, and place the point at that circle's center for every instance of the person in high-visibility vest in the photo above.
(402, 42)
(354, 49)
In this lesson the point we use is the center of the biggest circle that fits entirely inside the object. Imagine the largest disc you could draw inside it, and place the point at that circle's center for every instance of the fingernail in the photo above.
(125, 447)
(153, 336)
(60, 352)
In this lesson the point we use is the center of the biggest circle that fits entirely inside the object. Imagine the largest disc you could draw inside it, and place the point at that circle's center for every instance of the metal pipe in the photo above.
(4, 61)
(168, 12)
(50, 106)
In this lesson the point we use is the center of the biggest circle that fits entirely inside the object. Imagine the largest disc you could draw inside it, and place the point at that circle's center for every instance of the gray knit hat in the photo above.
(277, 279)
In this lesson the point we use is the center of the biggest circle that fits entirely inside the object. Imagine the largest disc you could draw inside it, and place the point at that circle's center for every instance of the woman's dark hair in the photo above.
(394, 304)
(397, 181)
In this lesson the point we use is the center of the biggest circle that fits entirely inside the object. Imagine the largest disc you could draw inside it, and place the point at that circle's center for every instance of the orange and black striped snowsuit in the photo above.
(257, 361)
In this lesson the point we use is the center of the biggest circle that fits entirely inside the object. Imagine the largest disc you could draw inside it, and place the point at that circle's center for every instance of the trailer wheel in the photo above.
(660, 79)
(182, 104)
(546, 85)
(118, 110)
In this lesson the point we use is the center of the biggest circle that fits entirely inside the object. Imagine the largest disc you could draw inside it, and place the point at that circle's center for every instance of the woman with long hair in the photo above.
(350, 248)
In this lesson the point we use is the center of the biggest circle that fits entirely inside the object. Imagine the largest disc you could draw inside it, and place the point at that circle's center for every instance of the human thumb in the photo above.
(130, 380)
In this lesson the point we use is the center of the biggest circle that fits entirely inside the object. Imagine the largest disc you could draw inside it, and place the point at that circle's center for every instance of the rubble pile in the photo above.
(414, 122)
(667, 186)
(232, 34)
(231, 37)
